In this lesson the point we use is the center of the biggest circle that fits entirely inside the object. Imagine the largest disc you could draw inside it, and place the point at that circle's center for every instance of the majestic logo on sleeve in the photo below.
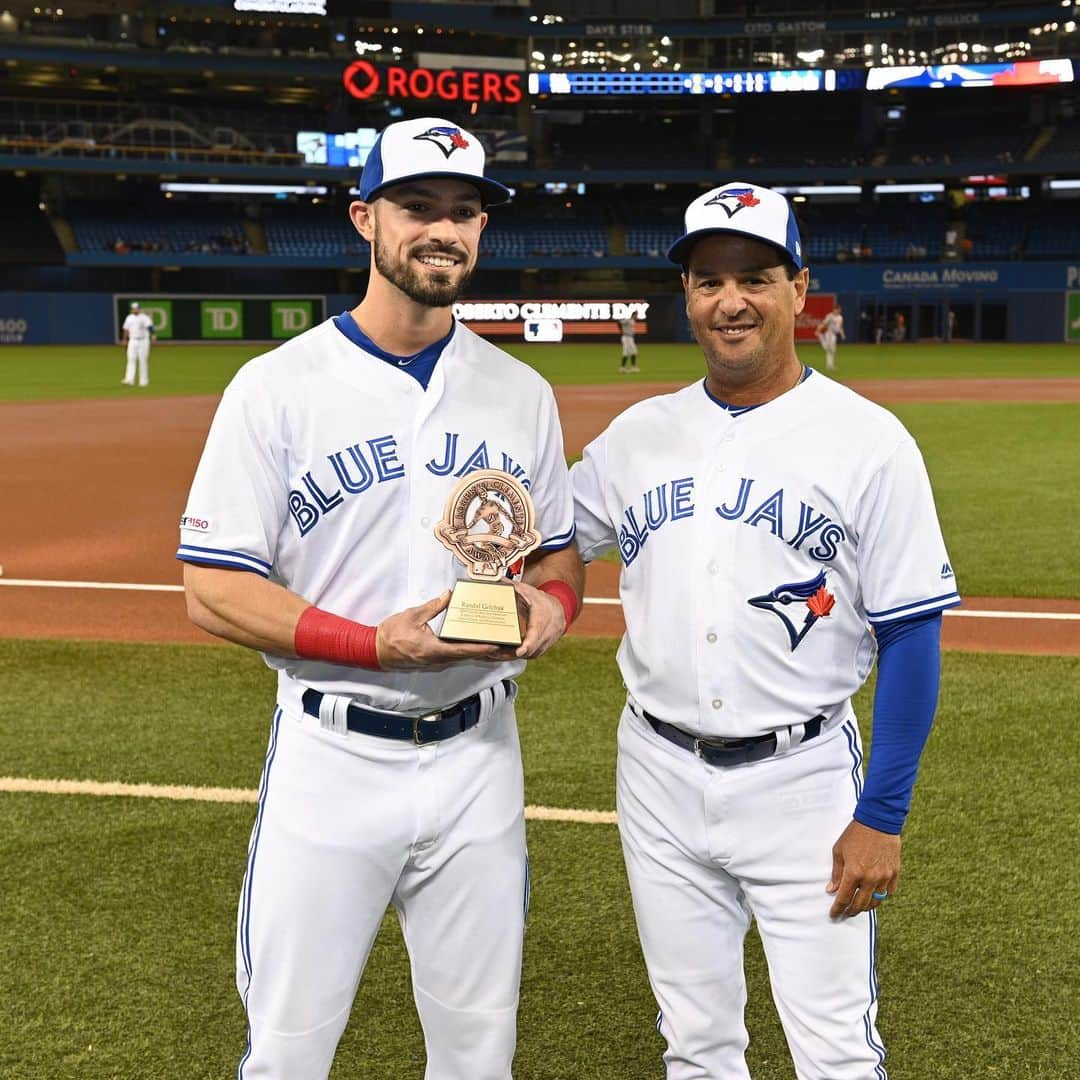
(732, 200)
(447, 139)
(817, 599)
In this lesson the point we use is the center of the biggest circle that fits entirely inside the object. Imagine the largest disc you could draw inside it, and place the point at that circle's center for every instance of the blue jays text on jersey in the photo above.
(673, 500)
(354, 469)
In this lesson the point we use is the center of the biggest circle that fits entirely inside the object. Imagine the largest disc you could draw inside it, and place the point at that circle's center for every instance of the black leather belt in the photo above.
(729, 751)
(431, 727)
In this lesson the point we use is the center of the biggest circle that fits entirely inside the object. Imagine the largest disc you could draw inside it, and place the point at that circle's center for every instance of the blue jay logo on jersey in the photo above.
(732, 200)
(818, 600)
(447, 139)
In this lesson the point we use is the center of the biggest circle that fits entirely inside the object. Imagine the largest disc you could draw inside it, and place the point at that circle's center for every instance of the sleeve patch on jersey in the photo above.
(196, 524)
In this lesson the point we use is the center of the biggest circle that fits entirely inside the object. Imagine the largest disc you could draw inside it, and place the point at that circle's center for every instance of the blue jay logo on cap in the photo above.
(813, 593)
(447, 139)
(742, 198)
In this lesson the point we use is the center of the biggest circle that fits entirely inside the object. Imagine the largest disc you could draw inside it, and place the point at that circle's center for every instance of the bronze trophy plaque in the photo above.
(488, 526)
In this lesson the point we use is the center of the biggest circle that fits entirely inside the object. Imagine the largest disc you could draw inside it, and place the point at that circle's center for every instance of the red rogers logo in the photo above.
(364, 80)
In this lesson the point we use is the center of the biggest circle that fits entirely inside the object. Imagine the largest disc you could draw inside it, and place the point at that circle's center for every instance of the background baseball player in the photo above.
(828, 331)
(138, 333)
(629, 345)
(393, 774)
(767, 519)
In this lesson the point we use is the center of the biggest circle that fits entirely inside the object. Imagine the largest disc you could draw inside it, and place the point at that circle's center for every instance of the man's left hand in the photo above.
(546, 622)
(865, 861)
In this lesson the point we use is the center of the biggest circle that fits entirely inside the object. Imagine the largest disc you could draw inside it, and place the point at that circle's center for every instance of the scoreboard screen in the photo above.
(348, 150)
(696, 82)
(1020, 73)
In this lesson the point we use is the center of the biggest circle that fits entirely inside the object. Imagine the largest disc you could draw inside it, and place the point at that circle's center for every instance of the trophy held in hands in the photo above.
(488, 525)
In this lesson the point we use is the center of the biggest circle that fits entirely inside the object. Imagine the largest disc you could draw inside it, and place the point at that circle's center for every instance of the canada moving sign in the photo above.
(364, 80)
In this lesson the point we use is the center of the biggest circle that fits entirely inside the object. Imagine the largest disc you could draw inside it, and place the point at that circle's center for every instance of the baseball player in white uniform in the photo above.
(828, 331)
(393, 774)
(768, 520)
(138, 332)
(629, 346)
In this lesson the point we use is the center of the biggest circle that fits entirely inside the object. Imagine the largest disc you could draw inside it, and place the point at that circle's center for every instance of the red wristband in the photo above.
(564, 594)
(321, 635)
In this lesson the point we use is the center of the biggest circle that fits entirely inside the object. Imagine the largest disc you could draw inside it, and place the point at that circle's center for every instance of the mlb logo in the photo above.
(543, 330)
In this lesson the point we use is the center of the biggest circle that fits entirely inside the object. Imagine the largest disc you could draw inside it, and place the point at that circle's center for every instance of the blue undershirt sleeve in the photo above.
(909, 673)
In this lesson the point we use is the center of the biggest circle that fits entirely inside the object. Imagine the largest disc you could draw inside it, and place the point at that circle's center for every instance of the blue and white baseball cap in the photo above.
(743, 210)
(427, 147)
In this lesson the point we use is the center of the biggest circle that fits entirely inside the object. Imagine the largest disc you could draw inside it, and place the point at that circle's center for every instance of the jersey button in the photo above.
(717, 703)
(713, 568)
(425, 521)
(710, 638)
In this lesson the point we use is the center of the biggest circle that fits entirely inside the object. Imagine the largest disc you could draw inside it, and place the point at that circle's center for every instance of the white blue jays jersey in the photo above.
(758, 549)
(327, 469)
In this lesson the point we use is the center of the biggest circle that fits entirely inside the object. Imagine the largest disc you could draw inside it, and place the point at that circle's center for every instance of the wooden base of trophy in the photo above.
(483, 612)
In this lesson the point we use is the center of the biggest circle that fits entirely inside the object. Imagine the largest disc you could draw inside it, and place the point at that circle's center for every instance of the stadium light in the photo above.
(1064, 185)
(906, 189)
(243, 189)
(821, 189)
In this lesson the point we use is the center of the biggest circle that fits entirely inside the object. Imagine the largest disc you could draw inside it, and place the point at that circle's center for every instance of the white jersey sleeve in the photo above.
(904, 569)
(550, 491)
(595, 529)
(238, 500)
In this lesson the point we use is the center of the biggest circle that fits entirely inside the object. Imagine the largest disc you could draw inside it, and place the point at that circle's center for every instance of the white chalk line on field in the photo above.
(186, 793)
(604, 601)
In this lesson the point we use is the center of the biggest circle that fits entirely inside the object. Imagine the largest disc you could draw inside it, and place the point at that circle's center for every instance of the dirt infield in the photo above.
(95, 490)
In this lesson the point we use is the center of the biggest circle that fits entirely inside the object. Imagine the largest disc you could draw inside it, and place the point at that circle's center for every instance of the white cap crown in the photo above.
(427, 147)
(743, 210)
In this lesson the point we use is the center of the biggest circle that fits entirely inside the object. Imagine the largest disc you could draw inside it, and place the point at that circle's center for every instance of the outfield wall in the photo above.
(1010, 301)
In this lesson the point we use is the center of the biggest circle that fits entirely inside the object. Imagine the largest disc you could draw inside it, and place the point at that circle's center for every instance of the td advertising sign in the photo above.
(225, 318)
(291, 317)
(222, 318)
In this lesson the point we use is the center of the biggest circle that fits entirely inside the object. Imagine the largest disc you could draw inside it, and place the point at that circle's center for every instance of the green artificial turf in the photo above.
(40, 372)
(116, 946)
(1003, 476)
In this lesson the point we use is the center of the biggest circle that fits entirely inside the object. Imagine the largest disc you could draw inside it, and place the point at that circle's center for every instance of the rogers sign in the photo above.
(364, 80)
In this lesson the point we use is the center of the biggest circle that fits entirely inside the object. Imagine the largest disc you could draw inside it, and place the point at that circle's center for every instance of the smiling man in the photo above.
(767, 519)
(393, 775)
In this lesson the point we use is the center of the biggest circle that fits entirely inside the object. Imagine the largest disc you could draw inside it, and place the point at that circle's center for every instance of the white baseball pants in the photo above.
(706, 850)
(349, 824)
(138, 353)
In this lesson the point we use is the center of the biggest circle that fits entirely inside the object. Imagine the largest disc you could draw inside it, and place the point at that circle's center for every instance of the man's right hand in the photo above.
(405, 642)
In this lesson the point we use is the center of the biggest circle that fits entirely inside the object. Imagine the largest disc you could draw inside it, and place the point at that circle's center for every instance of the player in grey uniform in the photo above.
(767, 519)
(828, 331)
(629, 346)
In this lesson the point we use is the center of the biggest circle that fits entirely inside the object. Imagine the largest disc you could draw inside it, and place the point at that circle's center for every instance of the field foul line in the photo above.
(184, 793)
(604, 601)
